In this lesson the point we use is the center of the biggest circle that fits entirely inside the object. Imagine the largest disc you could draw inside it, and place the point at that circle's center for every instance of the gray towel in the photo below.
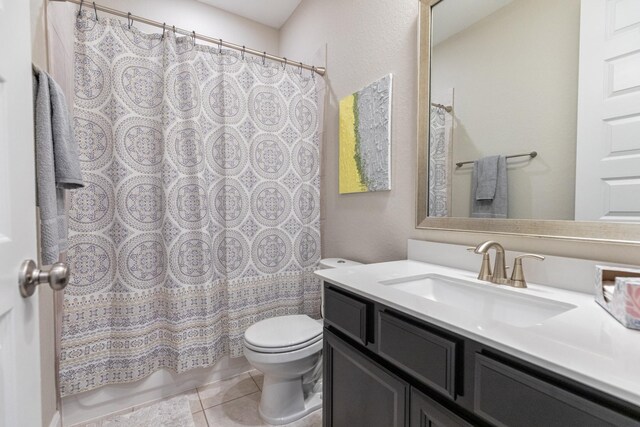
(487, 173)
(57, 163)
(496, 207)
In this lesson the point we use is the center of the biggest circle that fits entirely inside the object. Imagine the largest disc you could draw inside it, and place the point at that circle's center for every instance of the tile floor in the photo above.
(226, 403)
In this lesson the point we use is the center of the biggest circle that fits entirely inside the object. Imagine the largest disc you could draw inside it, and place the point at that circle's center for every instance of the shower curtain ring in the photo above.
(220, 47)
(80, 10)
(129, 20)
(164, 26)
(264, 54)
(95, 11)
(313, 72)
(301, 68)
(285, 63)
(174, 30)
(243, 49)
(194, 39)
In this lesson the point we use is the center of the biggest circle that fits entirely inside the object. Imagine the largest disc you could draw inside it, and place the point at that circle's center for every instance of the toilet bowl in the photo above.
(288, 351)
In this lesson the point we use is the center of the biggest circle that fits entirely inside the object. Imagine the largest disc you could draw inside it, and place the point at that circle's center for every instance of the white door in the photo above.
(19, 338)
(608, 149)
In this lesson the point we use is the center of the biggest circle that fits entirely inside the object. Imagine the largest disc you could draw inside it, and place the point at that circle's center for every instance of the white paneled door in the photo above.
(608, 149)
(19, 338)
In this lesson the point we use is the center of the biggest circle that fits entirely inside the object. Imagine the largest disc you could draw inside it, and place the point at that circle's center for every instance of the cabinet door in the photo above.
(347, 313)
(426, 412)
(357, 391)
(508, 396)
(426, 356)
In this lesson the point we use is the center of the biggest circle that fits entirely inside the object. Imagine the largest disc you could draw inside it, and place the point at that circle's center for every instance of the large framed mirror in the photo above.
(529, 118)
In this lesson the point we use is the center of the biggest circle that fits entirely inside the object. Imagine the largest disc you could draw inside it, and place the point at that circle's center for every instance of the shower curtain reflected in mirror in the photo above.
(202, 206)
(440, 163)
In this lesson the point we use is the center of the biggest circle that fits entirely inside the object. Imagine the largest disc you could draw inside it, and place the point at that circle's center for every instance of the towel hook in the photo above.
(80, 10)
(264, 55)
(129, 20)
(95, 11)
(243, 49)
(220, 47)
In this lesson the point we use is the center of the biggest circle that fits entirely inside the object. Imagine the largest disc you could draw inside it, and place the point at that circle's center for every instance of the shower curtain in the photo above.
(441, 125)
(201, 211)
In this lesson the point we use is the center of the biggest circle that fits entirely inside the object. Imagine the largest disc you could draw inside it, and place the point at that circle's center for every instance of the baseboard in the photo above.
(117, 397)
(56, 420)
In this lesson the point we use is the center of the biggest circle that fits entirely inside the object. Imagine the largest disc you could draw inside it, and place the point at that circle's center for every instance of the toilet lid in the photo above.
(283, 332)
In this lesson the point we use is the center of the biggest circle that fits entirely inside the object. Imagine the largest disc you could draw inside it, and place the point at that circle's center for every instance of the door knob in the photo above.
(30, 276)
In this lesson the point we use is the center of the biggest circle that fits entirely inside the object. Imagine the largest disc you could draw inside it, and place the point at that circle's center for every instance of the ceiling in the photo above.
(452, 17)
(273, 13)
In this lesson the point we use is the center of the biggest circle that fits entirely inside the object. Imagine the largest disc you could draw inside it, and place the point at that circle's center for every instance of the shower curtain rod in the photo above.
(219, 42)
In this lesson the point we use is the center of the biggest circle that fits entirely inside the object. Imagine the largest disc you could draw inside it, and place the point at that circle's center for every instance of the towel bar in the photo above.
(531, 154)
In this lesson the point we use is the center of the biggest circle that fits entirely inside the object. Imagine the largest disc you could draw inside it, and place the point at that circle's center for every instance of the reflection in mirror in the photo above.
(504, 82)
(529, 117)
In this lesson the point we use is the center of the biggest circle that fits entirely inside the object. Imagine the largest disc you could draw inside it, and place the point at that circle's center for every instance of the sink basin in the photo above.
(486, 303)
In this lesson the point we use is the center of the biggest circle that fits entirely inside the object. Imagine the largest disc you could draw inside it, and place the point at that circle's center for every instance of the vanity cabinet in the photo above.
(383, 367)
(360, 392)
(424, 354)
(426, 412)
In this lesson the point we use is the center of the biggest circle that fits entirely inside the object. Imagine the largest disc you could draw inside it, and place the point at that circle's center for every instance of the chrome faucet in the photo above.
(499, 275)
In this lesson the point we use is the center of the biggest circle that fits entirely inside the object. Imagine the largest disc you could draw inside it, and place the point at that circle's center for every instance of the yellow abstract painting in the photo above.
(365, 139)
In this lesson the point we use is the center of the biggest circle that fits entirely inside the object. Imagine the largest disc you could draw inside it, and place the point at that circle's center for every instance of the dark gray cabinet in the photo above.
(358, 392)
(426, 412)
(428, 356)
(506, 396)
(386, 368)
(348, 314)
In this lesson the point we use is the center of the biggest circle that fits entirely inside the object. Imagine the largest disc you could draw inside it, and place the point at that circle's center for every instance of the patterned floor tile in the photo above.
(314, 419)
(258, 377)
(244, 412)
(236, 413)
(226, 390)
(200, 420)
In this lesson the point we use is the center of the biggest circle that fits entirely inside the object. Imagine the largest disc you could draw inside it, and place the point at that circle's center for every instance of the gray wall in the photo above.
(366, 40)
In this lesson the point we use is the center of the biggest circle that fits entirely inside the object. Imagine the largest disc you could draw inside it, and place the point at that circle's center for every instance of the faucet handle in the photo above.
(485, 268)
(517, 276)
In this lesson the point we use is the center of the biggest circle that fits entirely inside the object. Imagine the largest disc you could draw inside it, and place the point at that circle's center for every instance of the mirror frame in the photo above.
(589, 231)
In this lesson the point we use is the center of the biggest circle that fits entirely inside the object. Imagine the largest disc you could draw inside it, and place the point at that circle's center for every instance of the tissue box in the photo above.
(618, 291)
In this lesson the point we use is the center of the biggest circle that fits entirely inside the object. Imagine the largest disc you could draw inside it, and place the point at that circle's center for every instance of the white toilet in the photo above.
(288, 351)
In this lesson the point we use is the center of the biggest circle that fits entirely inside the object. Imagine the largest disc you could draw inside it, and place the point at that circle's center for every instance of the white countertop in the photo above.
(585, 343)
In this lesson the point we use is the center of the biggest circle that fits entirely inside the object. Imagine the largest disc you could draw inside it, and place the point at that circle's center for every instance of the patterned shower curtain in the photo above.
(201, 211)
(439, 162)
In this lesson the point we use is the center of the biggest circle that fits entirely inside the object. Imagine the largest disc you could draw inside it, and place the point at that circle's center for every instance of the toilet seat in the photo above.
(284, 356)
(282, 349)
(283, 334)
